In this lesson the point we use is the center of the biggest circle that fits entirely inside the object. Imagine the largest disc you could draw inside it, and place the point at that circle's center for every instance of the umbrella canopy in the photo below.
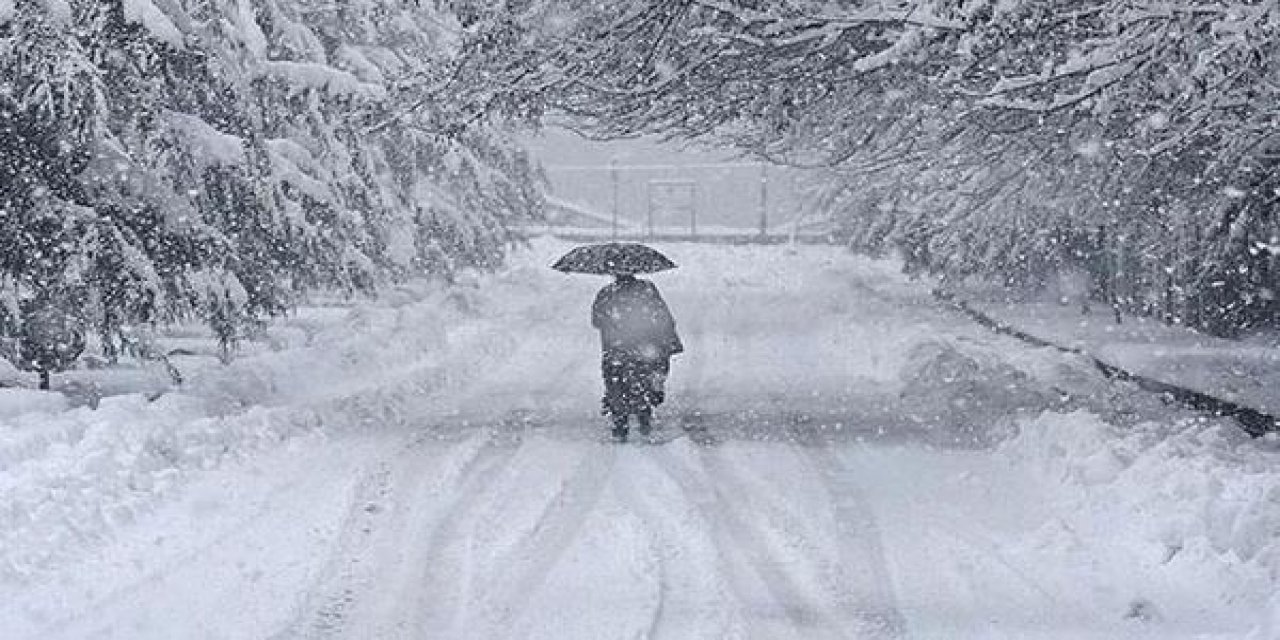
(613, 258)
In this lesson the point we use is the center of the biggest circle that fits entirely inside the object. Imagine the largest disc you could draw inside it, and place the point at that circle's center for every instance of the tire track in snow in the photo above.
(752, 573)
(387, 507)
(456, 598)
(102, 617)
(804, 573)
(537, 554)
(329, 616)
(431, 600)
(859, 545)
(695, 600)
(822, 561)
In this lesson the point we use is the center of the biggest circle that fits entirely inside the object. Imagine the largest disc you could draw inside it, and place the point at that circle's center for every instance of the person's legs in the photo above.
(644, 421)
(617, 393)
(611, 371)
(632, 386)
(653, 377)
(620, 429)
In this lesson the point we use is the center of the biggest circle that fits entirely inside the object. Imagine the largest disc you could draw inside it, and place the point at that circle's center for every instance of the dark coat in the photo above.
(634, 321)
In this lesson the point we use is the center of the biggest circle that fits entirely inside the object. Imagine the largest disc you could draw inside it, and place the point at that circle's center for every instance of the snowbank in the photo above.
(16, 402)
(69, 478)
(964, 395)
(1191, 503)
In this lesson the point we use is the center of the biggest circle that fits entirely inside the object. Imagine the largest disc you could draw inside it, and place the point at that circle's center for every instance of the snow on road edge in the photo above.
(1193, 502)
(69, 478)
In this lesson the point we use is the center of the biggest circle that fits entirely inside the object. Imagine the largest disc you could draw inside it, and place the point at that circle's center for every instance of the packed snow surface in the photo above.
(841, 457)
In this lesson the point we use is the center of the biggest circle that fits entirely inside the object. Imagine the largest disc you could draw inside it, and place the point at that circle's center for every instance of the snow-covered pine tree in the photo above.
(217, 159)
(52, 100)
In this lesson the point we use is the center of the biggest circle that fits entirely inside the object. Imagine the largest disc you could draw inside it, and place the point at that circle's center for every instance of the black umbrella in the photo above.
(613, 258)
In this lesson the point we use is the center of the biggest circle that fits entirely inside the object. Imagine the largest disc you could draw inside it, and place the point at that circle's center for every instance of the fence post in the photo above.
(764, 200)
(693, 212)
(1119, 274)
(613, 173)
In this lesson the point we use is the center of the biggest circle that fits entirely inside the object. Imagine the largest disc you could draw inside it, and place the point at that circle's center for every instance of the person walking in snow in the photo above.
(638, 337)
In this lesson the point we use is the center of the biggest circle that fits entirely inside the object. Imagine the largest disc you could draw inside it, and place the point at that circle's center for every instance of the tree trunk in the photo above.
(44, 379)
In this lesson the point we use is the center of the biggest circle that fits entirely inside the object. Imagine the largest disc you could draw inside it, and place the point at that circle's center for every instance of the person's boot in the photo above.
(620, 429)
(644, 422)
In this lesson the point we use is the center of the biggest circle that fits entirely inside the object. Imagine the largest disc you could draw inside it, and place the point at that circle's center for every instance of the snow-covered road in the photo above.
(829, 473)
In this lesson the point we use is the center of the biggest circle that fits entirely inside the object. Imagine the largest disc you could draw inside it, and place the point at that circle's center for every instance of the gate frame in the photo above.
(693, 190)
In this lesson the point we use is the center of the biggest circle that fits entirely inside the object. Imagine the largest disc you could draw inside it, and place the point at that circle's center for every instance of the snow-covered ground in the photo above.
(1243, 371)
(859, 462)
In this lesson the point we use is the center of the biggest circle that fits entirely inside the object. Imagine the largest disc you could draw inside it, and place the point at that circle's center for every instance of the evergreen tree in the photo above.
(218, 159)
